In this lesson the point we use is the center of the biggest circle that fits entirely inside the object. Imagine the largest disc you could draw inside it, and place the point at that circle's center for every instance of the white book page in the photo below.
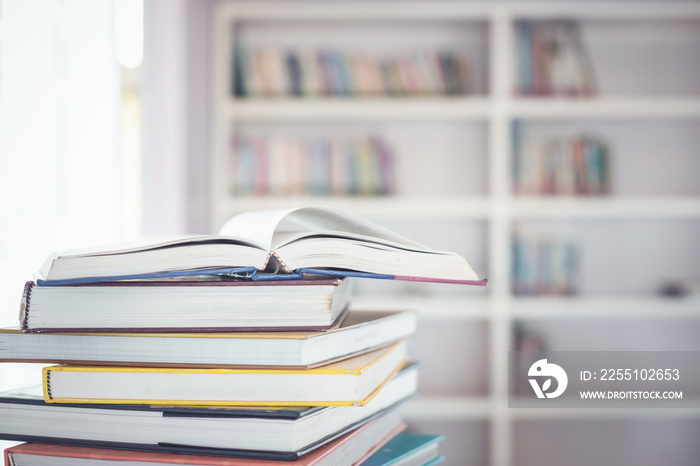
(255, 226)
(140, 245)
(145, 244)
(279, 227)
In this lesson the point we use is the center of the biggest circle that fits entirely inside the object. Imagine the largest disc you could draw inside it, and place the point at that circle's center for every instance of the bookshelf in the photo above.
(466, 192)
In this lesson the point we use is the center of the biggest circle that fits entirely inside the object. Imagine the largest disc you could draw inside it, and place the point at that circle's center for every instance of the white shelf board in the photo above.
(456, 108)
(651, 307)
(447, 408)
(605, 107)
(359, 108)
(454, 11)
(610, 207)
(629, 11)
(471, 208)
(355, 11)
(601, 413)
(458, 307)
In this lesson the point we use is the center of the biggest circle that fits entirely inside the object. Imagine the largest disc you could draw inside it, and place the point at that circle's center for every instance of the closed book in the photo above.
(351, 448)
(249, 432)
(286, 244)
(407, 449)
(354, 381)
(360, 332)
(185, 306)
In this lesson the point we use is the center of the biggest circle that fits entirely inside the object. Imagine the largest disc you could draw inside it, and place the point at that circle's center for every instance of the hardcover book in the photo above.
(287, 244)
(351, 448)
(353, 381)
(286, 433)
(185, 306)
(360, 332)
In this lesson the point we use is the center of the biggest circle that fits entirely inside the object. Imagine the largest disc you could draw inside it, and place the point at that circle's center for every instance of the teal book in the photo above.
(408, 449)
(437, 460)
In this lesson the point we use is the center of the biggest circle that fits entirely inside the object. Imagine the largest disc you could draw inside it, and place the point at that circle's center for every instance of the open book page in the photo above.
(140, 245)
(145, 244)
(279, 227)
(255, 226)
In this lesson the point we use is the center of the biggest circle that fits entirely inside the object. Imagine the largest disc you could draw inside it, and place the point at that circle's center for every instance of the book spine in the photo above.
(294, 72)
(47, 384)
(24, 307)
(239, 87)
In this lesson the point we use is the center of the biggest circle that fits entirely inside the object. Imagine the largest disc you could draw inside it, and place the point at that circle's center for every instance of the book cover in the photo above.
(353, 447)
(185, 305)
(407, 449)
(351, 382)
(360, 332)
(277, 433)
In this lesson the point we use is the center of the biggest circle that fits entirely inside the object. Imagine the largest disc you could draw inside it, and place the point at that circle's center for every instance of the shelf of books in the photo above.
(553, 145)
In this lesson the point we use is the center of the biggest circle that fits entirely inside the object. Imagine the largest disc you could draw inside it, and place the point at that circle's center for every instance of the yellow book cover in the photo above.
(353, 381)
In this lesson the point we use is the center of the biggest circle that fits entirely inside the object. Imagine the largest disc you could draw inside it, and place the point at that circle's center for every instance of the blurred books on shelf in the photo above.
(278, 166)
(528, 345)
(544, 266)
(270, 72)
(559, 166)
(552, 59)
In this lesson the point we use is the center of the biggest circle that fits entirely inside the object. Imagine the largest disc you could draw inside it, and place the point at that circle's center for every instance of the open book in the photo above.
(284, 244)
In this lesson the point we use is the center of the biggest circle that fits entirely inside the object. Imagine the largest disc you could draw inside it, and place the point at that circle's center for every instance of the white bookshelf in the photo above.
(606, 108)
(448, 408)
(486, 118)
(364, 109)
(391, 207)
(606, 208)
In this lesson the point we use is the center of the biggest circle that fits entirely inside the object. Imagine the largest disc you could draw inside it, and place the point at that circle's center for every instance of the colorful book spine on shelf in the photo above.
(544, 266)
(552, 59)
(559, 166)
(528, 345)
(264, 166)
(273, 72)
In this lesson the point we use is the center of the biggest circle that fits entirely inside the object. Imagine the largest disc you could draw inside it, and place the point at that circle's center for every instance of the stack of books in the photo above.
(182, 352)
